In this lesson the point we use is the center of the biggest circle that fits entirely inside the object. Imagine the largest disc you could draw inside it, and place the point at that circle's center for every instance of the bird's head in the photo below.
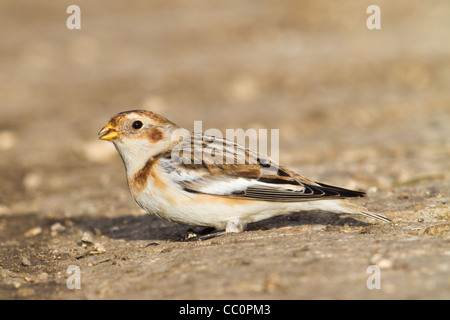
(138, 135)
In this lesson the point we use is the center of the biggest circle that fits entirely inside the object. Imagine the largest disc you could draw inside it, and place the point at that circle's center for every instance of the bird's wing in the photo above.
(195, 166)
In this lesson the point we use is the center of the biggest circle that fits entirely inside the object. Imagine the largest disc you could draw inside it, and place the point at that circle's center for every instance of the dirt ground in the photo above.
(358, 108)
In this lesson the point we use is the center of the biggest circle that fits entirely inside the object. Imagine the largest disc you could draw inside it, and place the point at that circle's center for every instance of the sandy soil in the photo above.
(358, 108)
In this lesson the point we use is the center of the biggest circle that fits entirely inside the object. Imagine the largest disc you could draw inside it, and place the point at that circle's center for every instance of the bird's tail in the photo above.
(353, 208)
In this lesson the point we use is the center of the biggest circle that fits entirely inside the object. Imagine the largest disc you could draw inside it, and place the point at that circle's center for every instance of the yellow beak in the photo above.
(108, 132)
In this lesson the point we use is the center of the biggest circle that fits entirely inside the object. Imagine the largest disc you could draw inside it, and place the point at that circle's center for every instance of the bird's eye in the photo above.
(137, 124)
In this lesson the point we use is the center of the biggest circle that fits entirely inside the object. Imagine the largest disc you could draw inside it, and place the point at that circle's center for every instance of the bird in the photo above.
(207, 181)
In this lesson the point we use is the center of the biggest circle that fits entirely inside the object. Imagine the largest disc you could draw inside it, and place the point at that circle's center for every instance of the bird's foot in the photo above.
(202, 234)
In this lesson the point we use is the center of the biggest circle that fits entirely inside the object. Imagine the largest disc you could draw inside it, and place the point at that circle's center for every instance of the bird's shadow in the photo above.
(149, 227)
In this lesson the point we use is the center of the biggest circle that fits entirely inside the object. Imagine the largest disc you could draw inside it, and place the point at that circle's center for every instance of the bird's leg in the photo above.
(235, 226)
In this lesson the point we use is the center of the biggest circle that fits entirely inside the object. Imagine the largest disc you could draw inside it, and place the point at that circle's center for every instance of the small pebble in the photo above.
(98, 249)
(385, 263)
(87, 239)
(57, 227)
(33, 232)
(25, 262)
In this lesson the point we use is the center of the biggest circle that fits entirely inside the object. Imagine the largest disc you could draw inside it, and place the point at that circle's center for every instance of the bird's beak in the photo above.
(108, 132)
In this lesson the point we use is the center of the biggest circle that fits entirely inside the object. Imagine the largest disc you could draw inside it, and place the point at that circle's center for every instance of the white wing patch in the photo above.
(228, 186)
(233, 186)
(202, 181)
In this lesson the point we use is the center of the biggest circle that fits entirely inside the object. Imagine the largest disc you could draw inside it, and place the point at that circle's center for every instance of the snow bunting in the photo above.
(192, 188)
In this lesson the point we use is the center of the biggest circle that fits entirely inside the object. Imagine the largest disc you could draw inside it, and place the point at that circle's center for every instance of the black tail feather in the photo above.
(337, 191)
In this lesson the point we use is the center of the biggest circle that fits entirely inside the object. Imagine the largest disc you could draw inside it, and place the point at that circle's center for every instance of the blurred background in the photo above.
(358, 108)
(364, 108)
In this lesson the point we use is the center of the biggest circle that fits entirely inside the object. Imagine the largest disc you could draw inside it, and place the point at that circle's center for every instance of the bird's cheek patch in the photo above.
(155, 135)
